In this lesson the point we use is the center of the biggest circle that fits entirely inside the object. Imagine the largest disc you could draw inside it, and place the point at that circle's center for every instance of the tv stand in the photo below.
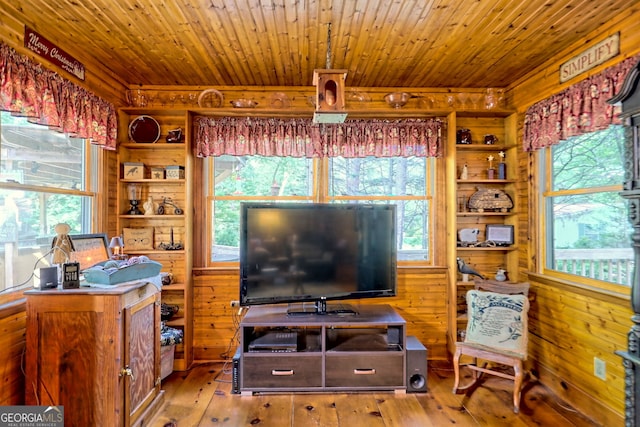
(320, 308)
(365, 352)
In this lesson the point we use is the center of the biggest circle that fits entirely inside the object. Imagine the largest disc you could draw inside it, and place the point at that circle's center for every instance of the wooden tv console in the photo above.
(332, 352)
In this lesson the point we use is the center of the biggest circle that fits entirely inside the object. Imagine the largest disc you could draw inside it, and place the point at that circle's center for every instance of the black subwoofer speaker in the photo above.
(235, 372)
(416, 366)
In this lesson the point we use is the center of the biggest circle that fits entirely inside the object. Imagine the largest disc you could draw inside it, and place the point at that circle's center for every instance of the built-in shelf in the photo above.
(176, 321)
(173, 287)
(155, 181)
(485, 213)
(485, 181)
(153, 251)
(490, 248)
(481, 147)
(158, 188)
(165, 216)
(472, 161)
(156, 145)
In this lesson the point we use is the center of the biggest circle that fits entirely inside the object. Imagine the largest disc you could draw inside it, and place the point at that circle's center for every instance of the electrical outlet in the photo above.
(235, 303)
(600, 368)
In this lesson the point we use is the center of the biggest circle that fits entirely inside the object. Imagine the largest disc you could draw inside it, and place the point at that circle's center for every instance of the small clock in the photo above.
(71, 275)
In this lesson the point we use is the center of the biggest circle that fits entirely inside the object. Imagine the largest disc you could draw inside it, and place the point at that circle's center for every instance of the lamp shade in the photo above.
(116, 245)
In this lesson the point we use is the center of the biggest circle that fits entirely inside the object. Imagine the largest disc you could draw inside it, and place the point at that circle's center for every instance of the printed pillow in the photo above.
(498, 321)
(138, 239)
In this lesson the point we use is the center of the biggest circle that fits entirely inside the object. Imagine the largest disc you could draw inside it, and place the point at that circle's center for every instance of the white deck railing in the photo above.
(610, 265)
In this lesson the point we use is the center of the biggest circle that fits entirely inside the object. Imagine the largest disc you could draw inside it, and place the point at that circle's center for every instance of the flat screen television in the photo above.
(307, 254)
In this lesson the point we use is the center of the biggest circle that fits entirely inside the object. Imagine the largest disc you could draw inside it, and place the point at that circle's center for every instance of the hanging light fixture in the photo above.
(330, 84)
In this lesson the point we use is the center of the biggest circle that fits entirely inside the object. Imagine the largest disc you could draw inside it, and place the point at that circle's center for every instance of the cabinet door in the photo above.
(71, 356)
(142, 356)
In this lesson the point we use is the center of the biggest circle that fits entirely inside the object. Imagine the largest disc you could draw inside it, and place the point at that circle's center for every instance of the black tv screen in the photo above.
(300, 252)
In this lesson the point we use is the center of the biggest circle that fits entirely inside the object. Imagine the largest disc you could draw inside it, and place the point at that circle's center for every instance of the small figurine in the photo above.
(62, 246)
(167, 201)
(466, 270)
(465, 172)
(150, 206)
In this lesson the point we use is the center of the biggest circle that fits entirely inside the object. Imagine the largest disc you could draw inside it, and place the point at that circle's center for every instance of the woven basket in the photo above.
(490, 199)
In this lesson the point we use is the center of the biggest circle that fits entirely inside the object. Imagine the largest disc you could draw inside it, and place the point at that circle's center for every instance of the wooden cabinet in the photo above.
(96, 352)
(172, 228)
(365, 351)
(483, 256)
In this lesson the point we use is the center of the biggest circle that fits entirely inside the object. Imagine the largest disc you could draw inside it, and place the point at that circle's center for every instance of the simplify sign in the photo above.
(590, 58)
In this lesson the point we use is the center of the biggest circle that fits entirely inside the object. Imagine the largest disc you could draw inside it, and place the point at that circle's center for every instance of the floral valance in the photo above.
(216, 136)
(44, 97)
(579, 109)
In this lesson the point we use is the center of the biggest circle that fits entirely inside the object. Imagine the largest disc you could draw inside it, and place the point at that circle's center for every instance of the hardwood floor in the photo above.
(202, 397)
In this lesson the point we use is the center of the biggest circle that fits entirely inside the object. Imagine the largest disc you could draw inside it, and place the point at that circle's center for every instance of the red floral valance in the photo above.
(216, 136)
(579, 109)
(44, 97)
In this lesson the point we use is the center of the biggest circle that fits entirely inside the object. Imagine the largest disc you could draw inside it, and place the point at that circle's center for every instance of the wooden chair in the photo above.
(496, 332)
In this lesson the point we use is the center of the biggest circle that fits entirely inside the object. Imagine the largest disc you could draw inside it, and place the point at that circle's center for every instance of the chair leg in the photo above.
(456, 370)
(517, 385)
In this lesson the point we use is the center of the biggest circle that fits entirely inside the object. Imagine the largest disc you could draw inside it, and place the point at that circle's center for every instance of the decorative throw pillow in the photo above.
(498, 321)
(138, 239)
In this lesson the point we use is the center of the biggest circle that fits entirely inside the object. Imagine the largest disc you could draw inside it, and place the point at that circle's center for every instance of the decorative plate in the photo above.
(144, 129)
(279, 100)
(210, 98)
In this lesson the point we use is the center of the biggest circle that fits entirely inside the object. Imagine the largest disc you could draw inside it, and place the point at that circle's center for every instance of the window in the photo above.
(255, 178)
(401, 181)
(43, 182)
(406, 182)
(588, 233)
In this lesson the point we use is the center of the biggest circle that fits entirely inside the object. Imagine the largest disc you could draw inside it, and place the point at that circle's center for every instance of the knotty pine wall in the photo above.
(569, 323)
(13, 324)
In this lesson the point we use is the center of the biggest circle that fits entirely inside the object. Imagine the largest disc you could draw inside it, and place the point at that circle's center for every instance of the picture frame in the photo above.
(501, 235)
(90, 249)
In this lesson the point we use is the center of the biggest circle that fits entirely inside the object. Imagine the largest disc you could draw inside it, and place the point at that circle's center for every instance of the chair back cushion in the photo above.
(498, 321)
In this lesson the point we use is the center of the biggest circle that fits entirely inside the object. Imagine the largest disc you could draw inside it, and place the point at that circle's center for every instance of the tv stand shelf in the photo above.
(322, 352)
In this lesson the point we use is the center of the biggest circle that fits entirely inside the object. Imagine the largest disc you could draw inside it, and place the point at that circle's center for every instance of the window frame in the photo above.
(92, 159)
(320, 194)
(545, 195)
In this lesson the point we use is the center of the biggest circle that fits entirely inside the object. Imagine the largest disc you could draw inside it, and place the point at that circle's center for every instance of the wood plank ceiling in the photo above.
(382, 43)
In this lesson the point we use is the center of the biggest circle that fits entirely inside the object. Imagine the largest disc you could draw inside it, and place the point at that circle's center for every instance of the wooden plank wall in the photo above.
(13, 324)
(570, 325)
(421, 301)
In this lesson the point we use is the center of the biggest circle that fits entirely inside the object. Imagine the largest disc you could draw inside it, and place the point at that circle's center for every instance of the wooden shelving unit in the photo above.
(485, 259)
(168, 227)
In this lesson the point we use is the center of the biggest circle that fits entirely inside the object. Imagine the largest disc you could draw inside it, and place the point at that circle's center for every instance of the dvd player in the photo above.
(275, 341)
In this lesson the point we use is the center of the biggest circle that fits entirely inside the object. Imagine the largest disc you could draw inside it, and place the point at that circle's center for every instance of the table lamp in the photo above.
(117, 247)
